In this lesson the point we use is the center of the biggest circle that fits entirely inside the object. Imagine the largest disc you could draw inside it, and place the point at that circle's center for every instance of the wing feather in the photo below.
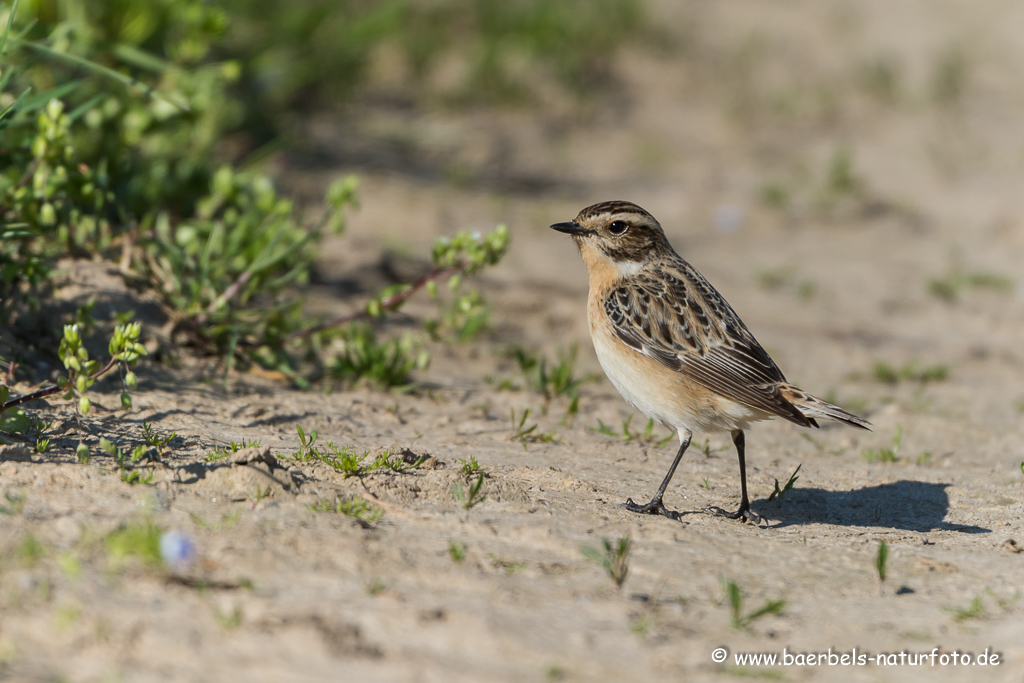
(681, 321)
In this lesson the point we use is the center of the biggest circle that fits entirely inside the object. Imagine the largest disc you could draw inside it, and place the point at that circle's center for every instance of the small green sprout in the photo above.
(355, 507)
(779, 493)
(886, 454)
(259, 494)
(627, 435)
(740, 620)
(126, 463)
(150, 436)
(470, 466)
(881, 560)
(973, 611)
(229, 620)
(136, 540)
(525, 435)
(457, 551)
(614, 558)
(911, 372)
(471, 498)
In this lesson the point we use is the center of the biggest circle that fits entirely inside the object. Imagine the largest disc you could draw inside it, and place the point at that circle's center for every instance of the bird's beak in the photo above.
(571, 228)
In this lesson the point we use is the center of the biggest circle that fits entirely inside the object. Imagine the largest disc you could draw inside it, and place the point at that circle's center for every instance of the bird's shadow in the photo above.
(910, 505)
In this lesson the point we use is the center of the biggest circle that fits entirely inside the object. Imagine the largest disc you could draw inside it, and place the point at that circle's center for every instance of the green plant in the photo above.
(912, 371)
(126, 463)
(973, 611)
(526, 435)
(158, 442)
(457, 551)
(470, 466)
(347, 461)
(465, 318)
(229, 620)
(94, 166)
(219, 453)
(882, 560)
(952, 285)
(30, 551)
(841, 181)
(15, 503)
(779, 493)
(886, 454)
(552, 380)
(735, 597)
(355, 507)
(646, 436)
(614, 558)
(360, 356)
(303, 50)
(774, 278)
(471, 497)
(642, 625)
(707, 450)
(510, 566)
(134, 541)
(260, 493)
(82, 373)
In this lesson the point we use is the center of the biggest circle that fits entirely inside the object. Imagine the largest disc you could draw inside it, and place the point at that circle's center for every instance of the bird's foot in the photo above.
(655, 507)
(744, 513)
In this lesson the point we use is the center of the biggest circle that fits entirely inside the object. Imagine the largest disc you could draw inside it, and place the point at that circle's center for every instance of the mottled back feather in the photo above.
(681, 321)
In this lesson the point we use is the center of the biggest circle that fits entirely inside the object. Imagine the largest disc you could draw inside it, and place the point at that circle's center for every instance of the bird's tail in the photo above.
(812, 407)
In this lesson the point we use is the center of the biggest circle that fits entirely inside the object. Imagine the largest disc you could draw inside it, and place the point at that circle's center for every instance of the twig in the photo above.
(389, 302)
(235, 287)
(42, 393)
(224, 298)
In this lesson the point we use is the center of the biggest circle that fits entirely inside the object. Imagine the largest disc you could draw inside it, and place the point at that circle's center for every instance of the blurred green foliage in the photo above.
(129, 130)
(294, 50)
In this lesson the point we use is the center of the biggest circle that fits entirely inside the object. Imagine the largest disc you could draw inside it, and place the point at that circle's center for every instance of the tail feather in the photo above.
(812, 407)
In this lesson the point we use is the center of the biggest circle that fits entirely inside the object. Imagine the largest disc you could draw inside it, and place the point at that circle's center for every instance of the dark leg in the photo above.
(656, 507)
(744, 511)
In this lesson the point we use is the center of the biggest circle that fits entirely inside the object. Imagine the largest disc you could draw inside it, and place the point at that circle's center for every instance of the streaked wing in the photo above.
(681, 321)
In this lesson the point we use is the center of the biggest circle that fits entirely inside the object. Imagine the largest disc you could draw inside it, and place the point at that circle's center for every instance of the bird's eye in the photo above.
(618, 227)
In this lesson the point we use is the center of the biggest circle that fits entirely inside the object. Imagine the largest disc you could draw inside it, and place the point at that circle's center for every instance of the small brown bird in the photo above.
(673, 346)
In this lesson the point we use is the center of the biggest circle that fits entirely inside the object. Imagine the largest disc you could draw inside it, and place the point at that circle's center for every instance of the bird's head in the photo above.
(616, 235)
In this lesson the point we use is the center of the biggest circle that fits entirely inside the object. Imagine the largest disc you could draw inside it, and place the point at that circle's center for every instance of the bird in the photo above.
(673, 346)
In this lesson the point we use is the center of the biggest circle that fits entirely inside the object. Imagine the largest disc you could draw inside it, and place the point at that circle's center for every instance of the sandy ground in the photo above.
(755, 99)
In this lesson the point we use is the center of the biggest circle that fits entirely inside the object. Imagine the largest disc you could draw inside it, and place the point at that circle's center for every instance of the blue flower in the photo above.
(177, 549)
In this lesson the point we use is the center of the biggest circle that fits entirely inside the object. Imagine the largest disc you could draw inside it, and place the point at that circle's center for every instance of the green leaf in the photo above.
(108, 447)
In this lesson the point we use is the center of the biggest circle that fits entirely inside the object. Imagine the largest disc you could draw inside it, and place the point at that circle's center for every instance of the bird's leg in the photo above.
(655, 506)
(744, 512)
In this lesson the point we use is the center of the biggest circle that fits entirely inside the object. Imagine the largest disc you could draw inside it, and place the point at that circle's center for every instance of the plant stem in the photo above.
(394, 300)
(48, 391)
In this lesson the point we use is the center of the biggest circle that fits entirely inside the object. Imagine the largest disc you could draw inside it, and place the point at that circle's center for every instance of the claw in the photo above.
(744, 513)
(655, 507)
